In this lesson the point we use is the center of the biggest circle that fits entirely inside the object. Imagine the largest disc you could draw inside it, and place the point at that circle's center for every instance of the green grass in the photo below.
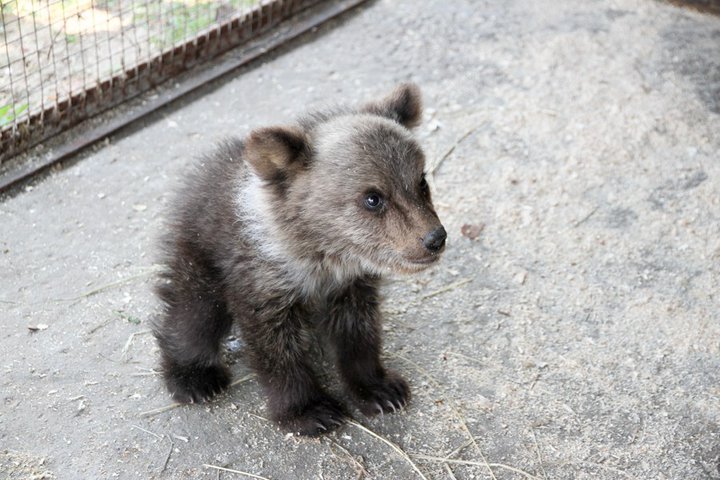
(128, 318)
(8, 115)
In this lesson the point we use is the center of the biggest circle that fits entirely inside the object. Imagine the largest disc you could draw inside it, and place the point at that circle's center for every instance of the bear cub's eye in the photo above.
(373, 201)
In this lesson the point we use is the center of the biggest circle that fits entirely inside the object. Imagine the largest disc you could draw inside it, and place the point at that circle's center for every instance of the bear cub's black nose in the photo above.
(435, 240)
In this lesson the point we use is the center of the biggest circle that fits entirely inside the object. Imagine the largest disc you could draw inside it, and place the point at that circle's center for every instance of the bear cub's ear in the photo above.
(403, 105)
(276, 151)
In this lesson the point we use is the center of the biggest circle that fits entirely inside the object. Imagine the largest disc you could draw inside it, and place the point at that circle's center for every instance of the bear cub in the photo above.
(288, 233)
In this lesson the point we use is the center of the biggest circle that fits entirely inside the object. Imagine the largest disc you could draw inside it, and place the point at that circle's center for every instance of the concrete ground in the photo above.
(575, 336)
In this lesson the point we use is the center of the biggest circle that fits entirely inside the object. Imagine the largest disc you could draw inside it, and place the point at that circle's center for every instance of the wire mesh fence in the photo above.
(65, 60)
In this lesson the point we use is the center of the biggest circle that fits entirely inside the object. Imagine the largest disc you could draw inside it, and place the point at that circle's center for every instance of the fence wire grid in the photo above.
(65, 60)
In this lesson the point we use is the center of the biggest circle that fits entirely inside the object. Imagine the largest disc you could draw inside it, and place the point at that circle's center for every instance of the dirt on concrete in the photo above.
(570, 332)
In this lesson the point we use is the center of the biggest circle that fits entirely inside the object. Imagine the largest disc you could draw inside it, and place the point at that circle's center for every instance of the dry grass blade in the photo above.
(244, 379)
(586, 217)
(455, 411)
(431, 458)
(450, 472)
(466, 357)
(539, 455)
(359, 468)
(399, 450)
(155, 411)
(147, 431)
(130, 339)
(167, 457)
(150, 271)
(434, 168)
(446, 288)
(239, 472)
(459, 449)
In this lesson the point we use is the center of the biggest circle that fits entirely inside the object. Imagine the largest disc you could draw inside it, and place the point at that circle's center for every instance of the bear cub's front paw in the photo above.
(387, 395)
(196, 384)
(316, 418)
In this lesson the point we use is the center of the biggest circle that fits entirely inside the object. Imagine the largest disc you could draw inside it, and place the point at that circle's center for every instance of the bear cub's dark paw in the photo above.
(196, 383)
(387, 395)
(316, 418)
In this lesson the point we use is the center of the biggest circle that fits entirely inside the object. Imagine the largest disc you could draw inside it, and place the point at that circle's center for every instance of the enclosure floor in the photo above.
(576, 337)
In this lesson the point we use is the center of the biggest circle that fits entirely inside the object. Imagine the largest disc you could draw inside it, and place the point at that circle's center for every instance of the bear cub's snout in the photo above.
(435, 240)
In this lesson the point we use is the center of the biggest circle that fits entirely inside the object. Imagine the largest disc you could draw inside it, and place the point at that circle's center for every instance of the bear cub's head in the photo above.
(349, 186)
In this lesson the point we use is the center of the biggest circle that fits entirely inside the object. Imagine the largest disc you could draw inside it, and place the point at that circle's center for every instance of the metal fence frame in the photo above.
(66, 112)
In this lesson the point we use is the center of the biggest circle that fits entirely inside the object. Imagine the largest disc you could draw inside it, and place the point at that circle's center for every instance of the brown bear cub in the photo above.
(288, 233)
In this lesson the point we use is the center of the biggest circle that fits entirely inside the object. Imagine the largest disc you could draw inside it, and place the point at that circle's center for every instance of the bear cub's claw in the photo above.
(389, 395)
(196, 384)
(320, 417)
